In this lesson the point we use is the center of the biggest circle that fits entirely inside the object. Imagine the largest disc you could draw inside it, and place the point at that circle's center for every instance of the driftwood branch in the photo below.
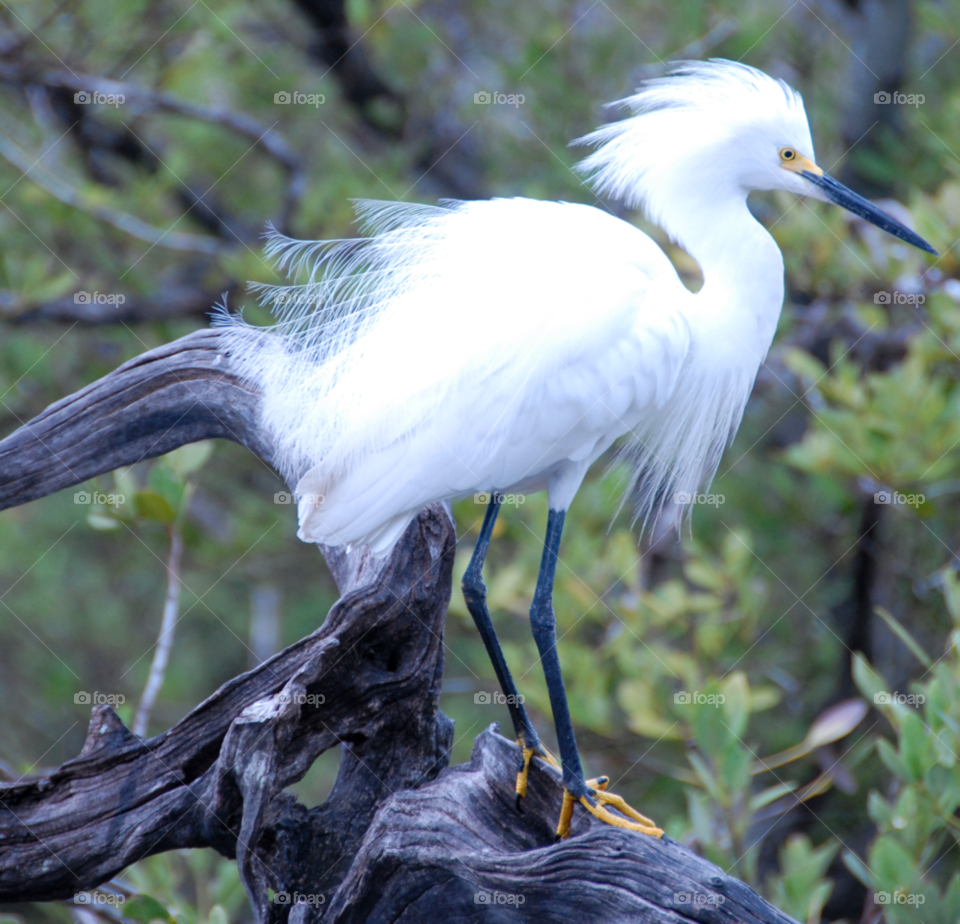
(401, 838)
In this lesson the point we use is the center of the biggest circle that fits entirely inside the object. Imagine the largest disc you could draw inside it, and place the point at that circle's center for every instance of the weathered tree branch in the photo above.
(400, 839)
(177, 394)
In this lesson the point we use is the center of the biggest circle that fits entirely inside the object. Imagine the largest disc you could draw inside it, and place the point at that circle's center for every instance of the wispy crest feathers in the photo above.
(311, 370)
(697, 108)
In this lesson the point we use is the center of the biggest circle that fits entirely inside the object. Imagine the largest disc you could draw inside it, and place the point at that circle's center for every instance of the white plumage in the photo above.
(506, 344)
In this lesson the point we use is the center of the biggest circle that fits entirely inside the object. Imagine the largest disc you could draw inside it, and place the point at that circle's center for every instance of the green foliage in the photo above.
(161, 497)
(186, 887)
(908, 865)
(800, 889)
(897, 427)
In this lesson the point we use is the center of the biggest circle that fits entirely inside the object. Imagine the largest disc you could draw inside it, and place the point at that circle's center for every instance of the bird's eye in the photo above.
(787, 154)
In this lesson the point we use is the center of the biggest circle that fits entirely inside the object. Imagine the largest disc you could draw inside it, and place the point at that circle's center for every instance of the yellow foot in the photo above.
(595, 806)
(529, 753)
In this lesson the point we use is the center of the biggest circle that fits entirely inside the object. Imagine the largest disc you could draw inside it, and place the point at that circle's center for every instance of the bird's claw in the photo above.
(529, 753)
(594, 804)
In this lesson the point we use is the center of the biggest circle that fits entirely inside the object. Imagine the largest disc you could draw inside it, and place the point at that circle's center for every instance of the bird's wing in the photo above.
(522, 335)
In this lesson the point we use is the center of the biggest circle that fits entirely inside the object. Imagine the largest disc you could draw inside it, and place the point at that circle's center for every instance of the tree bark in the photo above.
(401, 838)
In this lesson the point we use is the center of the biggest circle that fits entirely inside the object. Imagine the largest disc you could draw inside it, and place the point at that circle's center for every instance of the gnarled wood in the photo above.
(180, 393)
(397, 840)
(462, 832)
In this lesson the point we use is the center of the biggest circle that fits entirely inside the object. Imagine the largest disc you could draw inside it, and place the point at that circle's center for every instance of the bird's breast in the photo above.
(587, 405)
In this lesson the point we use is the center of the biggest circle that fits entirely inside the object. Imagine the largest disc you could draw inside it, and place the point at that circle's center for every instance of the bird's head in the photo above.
(801, 169)
(713, 131)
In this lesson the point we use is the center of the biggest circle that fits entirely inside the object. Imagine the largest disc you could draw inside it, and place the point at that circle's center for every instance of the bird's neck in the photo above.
(737, 309)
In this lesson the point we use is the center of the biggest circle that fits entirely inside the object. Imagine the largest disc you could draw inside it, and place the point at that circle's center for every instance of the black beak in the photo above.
(840, 195)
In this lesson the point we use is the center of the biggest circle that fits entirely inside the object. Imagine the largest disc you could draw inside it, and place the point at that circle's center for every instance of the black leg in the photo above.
(475, 595)
(544, 626)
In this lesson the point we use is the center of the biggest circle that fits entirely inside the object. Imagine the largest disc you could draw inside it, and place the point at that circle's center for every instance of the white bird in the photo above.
(503, 346)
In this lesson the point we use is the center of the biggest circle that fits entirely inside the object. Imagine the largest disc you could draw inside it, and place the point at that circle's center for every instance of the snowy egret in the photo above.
(503, 346)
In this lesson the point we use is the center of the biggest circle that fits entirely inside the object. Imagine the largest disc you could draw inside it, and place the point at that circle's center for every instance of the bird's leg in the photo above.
(475, 595)
(591, 794)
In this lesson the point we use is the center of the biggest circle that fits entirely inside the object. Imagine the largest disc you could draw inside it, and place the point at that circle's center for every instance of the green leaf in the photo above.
(151, 506)
(915, 750)
(891, 759)
(868, 680)
(769, 795)
(736, 707)
(803, 365)
(856, 866)
(145, 909)
(706, 775)
(703, 574)
(189, 458)
(734, 768)
(763, 697)
(125, 481)
(637, 699)
(904, 637)
(951, 898)
(951, 593)
(892, 864)
(710, 727)
(879, 810)
(164, 481)
(218, 915)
